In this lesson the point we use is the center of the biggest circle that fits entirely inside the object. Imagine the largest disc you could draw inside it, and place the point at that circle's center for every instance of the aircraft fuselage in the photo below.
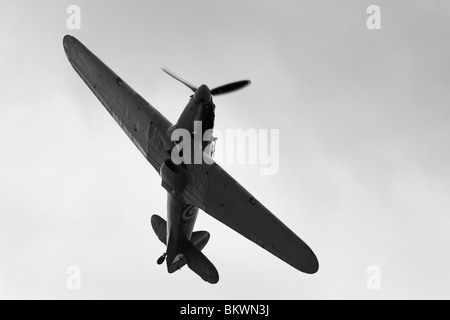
(182, 215)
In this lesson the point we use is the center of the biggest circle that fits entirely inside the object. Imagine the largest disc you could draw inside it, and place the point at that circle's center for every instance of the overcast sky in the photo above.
(364, 146)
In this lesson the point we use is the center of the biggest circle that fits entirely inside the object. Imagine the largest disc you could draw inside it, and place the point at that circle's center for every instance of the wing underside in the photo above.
(144, 125)
(227, 201)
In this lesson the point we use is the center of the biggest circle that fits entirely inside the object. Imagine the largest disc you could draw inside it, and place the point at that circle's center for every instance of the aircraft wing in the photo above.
(144, 125)
(214, 191)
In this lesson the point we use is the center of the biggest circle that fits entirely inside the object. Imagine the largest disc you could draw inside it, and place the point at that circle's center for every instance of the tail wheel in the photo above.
(161, 259)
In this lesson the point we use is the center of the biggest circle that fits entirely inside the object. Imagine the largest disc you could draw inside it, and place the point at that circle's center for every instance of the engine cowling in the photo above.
(173, 177)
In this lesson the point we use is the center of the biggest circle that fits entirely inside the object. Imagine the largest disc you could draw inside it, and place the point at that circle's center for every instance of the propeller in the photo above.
(227, 88)
(173, 75)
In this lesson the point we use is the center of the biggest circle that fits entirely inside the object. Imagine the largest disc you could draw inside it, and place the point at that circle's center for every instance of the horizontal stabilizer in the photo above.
(200, 239)
(198, 263)
(191, 255)
(159, 225)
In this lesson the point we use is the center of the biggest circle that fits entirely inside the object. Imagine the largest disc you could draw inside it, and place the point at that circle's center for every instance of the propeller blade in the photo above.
(192, 87)
(230, 87)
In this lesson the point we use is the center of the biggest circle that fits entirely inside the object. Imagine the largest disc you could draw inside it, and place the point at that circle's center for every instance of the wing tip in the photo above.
(213, 278)
(69, 42)
(312, 268)
(312, 265)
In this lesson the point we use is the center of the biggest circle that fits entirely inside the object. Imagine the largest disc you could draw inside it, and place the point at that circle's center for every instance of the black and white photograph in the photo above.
(225, 150)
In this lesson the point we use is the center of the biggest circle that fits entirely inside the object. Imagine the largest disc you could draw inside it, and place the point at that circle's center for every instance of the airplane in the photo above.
(190, 186)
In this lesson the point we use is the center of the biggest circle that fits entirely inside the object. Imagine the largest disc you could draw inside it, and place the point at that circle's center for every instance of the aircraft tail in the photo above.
(200, 264)
(159, 225)
(191, 254)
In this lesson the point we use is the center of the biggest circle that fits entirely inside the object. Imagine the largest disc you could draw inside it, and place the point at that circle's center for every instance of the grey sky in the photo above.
(364, 158)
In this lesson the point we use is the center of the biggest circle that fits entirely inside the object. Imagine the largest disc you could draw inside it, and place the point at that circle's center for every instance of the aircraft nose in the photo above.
(202, 94)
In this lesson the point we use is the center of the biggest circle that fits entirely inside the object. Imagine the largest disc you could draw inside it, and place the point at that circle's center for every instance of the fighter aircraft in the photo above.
(190, 186)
